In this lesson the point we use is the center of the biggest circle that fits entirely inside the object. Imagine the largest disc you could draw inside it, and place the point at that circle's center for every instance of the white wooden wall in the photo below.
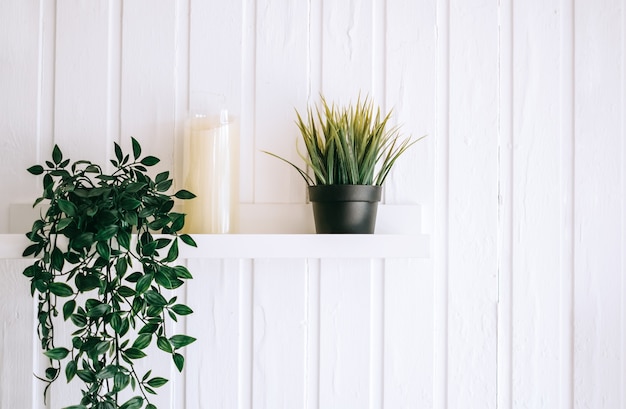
(522, 180)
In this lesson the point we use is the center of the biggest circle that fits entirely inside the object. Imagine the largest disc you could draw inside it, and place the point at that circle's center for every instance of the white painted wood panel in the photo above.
(279, 333)
(145, 97)
(20, 72)
(82, 80)
(537, 180)
(345, 342)
(473, 192)
(282, 85)
(410, 74)
(214, 374)
(599, 204)
(17, 339)
(408, 336)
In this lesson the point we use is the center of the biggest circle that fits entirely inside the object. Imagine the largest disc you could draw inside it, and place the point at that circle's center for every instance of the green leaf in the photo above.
(118, 152)
(86, 282)
(68, 309)
(56, 259)
(161, 177)
(86, 376)
(133, 403)
(134, 277)
(135, 187)
(98, 311)
(70, 370)
(106, 233)
(116, 322)
(149, 329)
(136, 148)
(159, 223)
(83, 240)
(164, 345)
(120, 381)
(67, 207)
(182, 272)
(150, 161)
(172, 253)
(33, 249)
(134, 353)
(51, 373)
(123, 238)
(178, 221)
(57, 155)
(103, 249)
(179, 361)
(148, 249)
(61, 289)
(142, 341)
(181, 309)
(107, 372)
(35, 170)
(179, 341)
(154, 298)
(187, 239)
(79, 320)
(157, 382)
(63, 223)
(99, 349)
(184, 194)
(57, 353)
(121, 267)
(143, 284)
(76, 407)
(164, 186)
(125, 291)
(129, 203)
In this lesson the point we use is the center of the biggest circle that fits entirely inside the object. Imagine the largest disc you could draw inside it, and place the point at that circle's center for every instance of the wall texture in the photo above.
(522, 181)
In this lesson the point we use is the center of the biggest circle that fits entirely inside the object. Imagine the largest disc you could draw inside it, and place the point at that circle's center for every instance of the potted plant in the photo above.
(350, 151)
(99, 264)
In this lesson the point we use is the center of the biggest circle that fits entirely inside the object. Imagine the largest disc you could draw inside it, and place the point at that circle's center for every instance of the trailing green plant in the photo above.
(99, 264)
(351, 145)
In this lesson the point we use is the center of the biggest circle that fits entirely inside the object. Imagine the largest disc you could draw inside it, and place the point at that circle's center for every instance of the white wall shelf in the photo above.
(279, 246)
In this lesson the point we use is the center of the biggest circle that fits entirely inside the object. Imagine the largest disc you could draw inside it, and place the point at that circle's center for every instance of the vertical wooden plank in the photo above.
(279, 333)
(536, 204)
(213, 366)
(148, 94)
(347, 50)
(16, 337)
(566, 391)
(410, 84)
(281, 85)
(473, 204)
(441, 209)
(82, 87)
(345, 333)
(409, 330)
(215, 68)
(20, 30)
(505, 208)
(312, 369)
(599, 245)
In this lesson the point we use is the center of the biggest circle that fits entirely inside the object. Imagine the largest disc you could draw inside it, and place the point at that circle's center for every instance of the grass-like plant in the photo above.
(111, 287)
(351, 145)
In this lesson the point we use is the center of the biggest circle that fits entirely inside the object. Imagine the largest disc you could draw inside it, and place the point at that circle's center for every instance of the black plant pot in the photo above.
(345, 209)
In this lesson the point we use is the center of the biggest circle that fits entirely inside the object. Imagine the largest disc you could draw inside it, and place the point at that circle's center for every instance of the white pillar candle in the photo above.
(211, 172)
